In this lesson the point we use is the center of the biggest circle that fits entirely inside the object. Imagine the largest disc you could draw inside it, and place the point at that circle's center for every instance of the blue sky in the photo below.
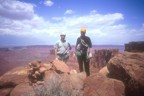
(40, 22)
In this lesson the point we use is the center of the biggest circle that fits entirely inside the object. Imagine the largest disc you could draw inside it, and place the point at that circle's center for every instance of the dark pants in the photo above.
(82, 60)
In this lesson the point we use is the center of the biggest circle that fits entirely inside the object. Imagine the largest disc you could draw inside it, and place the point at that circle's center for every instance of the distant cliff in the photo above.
(102, 56)
(135, 46)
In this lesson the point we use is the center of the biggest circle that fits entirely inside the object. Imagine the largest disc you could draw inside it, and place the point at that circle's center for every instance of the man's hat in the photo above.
(83, 29)
(63, 33)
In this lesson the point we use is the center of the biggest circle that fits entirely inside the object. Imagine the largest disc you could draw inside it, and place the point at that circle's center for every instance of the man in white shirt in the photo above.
(62, 48)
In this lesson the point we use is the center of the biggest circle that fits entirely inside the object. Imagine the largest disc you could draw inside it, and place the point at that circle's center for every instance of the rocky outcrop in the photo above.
(129, 68)
(61, 84)
(104, 71)
(123, 76)
(99, 85)
(5, 91)
(57, 80)
(23, 89)
(102, 56)
(60, 66)
(135, 46)
(11, 79)
(37, 70)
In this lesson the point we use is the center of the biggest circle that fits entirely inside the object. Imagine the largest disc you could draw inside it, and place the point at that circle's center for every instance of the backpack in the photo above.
(81, 47)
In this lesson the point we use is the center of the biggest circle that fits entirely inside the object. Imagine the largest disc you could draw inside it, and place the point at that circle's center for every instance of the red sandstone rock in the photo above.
(60, 66)
(62, 84)
(98, 85)
(135, 46)
(23, 89)
(129, 67)
(102, 56)
(104, 71)
(5, 91)
(13, 77)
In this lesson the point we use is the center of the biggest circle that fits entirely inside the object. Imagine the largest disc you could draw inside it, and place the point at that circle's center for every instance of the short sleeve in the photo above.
(90, 43)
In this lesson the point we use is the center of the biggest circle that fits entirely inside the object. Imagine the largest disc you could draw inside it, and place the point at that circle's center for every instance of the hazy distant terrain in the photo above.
(11, 57)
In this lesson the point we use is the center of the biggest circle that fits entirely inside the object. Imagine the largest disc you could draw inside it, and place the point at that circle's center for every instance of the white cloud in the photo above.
(102, 28)
(69, 12)
(93, 12)
(17, 10)
(56, 18)
(48, 3)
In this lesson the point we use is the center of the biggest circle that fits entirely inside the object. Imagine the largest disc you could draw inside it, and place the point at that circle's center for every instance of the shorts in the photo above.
(63, 57)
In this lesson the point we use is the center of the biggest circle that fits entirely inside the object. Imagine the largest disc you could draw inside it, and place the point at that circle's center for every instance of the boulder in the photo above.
(129, 67)
(61, 84)
(23, 89)
(36, 71)
(47, 66)
(99, 85)
(73, 72)
(104, 71)
(77, 80)
(5, 91)
(60, 66)
(57, 81)
(51, 74)
(72, 85)
(13, 77)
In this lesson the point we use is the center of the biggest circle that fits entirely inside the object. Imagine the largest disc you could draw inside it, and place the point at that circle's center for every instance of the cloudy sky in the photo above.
(39, 22)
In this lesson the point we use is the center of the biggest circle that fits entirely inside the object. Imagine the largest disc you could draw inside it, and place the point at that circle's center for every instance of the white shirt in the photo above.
(62, 47)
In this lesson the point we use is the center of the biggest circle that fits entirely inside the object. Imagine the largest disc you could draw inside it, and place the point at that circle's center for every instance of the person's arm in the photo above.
(74, 52)
(76, 44)
(90, 48)
(89, 44)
